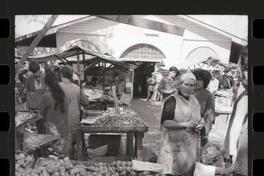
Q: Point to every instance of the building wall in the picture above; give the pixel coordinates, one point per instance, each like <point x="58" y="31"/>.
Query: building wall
<point x="192" y="41"/>
<point x="116" y="39"/>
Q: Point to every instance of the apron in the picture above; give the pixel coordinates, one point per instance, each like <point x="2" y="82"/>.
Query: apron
<point x="179" y="147"/>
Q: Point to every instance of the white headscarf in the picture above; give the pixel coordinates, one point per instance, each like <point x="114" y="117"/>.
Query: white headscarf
<point x="188" y="76"/>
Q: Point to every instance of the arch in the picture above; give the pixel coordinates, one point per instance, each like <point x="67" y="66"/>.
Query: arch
<point x="143" y="50"/>
<point x="201" y="54"/>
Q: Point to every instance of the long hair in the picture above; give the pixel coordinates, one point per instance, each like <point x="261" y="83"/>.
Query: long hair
<point x="57" y="92"/>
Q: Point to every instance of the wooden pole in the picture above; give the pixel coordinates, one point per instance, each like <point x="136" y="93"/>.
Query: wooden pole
<point x="36" y="41"/>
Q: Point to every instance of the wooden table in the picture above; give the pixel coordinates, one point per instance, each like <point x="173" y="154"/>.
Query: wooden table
<point x="227" y="112"/>
<point x="133" y="132"/>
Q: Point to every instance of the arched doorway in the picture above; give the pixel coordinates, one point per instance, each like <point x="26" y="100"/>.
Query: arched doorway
<point x="199" y="55"/>
<point x="146" y="56"/>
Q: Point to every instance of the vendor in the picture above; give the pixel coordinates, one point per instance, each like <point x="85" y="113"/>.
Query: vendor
<point x="34" y="89"/>
<point x="206" y="100"/>
<point x="179" y="109"/>
<point x="53" y="107"/>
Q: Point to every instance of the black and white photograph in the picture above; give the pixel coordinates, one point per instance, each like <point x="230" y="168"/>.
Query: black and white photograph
<point x="131" y="95"/>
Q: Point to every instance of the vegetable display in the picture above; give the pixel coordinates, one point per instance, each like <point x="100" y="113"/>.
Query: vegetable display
<point x="66" y="167"/>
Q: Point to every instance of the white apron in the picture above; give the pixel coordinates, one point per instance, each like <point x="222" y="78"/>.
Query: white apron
<point x="179" y="155"/>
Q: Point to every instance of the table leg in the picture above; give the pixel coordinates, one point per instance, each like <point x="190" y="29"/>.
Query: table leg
<point x="139" y="144"/>
<point x="130" y="145"/>
<point x="81" y="153"/>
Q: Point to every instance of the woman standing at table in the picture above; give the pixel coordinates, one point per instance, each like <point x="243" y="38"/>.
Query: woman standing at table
<point x="180" y="109"/>
<point x="53" y="107"/>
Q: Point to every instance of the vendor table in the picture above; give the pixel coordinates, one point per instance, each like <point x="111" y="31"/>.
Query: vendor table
<point x="227" y="112"/>
<point x="133" y="132"/>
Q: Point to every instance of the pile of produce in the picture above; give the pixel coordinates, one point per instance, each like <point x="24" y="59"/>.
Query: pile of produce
<point x="123" y="168"/>
<point x="66" y="167"/>
<point x="23" y="164"/>
<point x="126" y="118"/>
<point x="22" y="117"/>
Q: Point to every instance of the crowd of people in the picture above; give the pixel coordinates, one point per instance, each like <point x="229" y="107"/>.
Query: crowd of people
<point x="187" y="103"/>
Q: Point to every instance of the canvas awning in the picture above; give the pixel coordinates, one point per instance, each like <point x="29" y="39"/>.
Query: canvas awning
<point x="76" y="47"/>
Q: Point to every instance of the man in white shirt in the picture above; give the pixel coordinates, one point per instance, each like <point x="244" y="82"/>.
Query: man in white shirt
<point x="214" y="84"/>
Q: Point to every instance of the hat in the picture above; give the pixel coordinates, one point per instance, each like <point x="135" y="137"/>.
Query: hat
<point x="188" y="76"/>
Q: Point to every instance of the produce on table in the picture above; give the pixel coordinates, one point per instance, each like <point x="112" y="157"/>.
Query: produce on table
<point x="126" y="118"/>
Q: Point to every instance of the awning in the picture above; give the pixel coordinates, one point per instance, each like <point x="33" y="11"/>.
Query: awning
<point x="75" y="47"/>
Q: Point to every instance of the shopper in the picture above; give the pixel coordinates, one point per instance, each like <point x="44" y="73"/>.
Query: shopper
<point x="168" y="85"/>
<point x="214" y="83"/>
<point x="76" y="98"/>
<point x="206" y="101"/>
<point x="151" y="86"/>
<point x="157" y="94"/>
<point x="33" y="89"/>
<point x="53" y="107"/>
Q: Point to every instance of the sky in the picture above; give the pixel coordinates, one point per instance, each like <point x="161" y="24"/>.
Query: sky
<point x="235" y="24"/>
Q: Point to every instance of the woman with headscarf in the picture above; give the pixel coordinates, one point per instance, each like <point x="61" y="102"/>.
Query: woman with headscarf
<point x="53" y="107"/>
<point x="181" y="110"/>
<point x="206" y="100"/>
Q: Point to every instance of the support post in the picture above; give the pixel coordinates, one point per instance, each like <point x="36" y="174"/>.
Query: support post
<point x="36" y="41"/>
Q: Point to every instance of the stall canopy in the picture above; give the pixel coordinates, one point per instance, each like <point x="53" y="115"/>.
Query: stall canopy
<point x="68" y="52"/>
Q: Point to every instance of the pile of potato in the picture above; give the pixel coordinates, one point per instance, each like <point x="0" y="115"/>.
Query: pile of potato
<point x="23" y="164"/>
<point x="66" y="167"/>
<point x="124" y="168"/>
<point x="126" y="118"/>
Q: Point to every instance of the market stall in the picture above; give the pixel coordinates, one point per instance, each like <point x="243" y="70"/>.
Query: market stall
<point x="121" y="119"/>
<point x="126" y="121"/>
